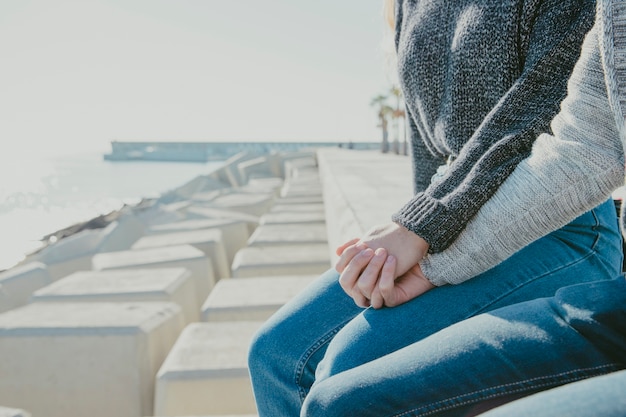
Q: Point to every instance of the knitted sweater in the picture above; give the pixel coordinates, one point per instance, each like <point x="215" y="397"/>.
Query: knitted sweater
<point x="567" y="173"/>
<point x="481" y="79"/>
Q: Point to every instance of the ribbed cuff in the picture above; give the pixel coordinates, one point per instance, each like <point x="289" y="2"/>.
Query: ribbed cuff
<point x="431" y="220"/>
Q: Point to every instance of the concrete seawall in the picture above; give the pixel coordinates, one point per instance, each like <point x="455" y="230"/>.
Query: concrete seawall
<point x="124" y="309"/>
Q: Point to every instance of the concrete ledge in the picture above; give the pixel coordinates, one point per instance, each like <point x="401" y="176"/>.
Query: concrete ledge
<point x="200" y="212"/>
<point x="298" y="208"/>
<point x="183" y="256"/>
<point x="18" y="284"/>
<point x="249" y="203"/>
<point x="281" y="260"/>
<point x="126" y="285"/>
<point x="295" y="234"/>
<point x="235" y="233"/>
<point x="209" y="241"/>
<point x="85" y="359"/>
<point x="206" y="372"/>
<point x="290" y="217"/>
<point x="254" y="298"/>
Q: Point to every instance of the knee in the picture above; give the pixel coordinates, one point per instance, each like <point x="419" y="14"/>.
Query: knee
<point x="263" y="349"/>
<point x="324" y="401"/>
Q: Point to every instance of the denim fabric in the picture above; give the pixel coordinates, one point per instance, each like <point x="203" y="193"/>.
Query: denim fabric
<point x="601" y="396"/>
<point x="321" y="333"/>
<point x="519" y="349"/>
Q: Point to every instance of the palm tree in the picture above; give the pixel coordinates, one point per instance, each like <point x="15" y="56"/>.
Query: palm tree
<point x="383" y="111"/>
<point x="396" y="115"/>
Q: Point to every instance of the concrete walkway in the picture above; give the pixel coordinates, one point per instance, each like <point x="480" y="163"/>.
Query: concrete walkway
<point x="361" y="189"/>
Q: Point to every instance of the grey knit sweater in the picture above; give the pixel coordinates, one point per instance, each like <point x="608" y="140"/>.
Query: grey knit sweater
<point x="567" y="173"/>
<point x="481" y="79"/>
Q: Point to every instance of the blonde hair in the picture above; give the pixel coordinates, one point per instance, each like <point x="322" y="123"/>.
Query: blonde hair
<point x="387" y="41"/>
<point x="389" y="12"/>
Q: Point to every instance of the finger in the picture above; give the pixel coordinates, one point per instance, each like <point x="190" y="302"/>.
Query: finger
<point x="351" y="272"/>
<point x="348" y="254"/>
<point x="368" y="279"/>
<point x="361" y="301"/>
<point x="377" y="301"/>
<point x="386" y="283"/>
<point x="343" y="247"/>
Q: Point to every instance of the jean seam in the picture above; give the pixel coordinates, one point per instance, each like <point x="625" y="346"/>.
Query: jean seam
<point x="570" y="376"/>
<point x="309" y="352"/>
<point x="587" y="255"/>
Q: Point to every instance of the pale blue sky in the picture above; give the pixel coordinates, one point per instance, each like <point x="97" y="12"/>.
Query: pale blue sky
<point x="79" y="73"/>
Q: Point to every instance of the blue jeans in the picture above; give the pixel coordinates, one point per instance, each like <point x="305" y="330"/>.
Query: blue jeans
<point x="601" y="396"/>
<point x="321" y="333"/>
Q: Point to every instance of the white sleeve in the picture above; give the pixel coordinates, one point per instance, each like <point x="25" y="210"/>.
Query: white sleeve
<point x="567" y="173"/>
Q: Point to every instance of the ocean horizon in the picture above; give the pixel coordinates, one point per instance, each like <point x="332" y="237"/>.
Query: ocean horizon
<point x="42" y="194"/>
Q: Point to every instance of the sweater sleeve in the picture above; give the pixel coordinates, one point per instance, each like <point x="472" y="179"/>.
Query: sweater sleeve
<point x="441" y="212"/>
<point x="567" y="173"/>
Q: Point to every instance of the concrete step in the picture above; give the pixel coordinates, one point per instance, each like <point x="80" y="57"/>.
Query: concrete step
<point x="126" y="285"/>
<point x="290" y="217"/>
<point x="255" y="298"/>
<point x="184" y="256"/>
<point x="85" y="359"/>
<point x="282" y="259"/>
<point x="209" y="241"/>
<point x="235" y="232"/>
<point x="18" y="284"/>
<point x="206" y="371"/>
<point x="291" y="234"/>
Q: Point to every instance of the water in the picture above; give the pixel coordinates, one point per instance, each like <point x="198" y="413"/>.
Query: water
<point x="40" y="195"/>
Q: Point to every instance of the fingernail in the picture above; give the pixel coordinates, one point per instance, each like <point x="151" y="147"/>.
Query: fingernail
<point x="390" y="259"/>
<point x="379" y="251"/>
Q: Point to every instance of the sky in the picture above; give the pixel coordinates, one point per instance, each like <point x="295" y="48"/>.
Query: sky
<point x="77" y="74"/>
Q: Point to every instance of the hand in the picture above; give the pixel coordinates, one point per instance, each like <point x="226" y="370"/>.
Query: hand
<point x="393" y="292"/>
<point x="362" y="260"/>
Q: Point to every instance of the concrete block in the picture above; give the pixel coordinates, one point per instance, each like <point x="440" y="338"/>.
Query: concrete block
<point x="250" y="203"/>
<point x="262" y="166"/>
<point x="309" y="199"/>
<point x="18" y="284"/>
<point x="281" y="260"/>
<point x="254" y="298"/>
<point x="70" y="254"/>
<point x="271" y="184"/>
<point x="13" y="412"/>
<point x="201" y="212"/>
<point x="121" y="233"/>
<point x="209" y="241"/>
<point x="302" y="190"/>
<point x="183" y="256"/>
<point x="206" y="371"/>
<point x="126" y="285"/>
<point x="281" y="234"/>
<point x="298" y="208"/>
<point x="85" y="359"/>
<point x="288" y="217"/>
<point x="235" y="233"/>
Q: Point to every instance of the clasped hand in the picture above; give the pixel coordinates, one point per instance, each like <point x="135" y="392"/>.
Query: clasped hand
<point x="382" y="268"/>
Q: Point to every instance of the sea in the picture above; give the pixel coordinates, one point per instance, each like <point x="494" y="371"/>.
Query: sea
<point x="42" y="194"/>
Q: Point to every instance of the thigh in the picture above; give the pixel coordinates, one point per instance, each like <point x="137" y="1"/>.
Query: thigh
<point x="599" y="396"/>
<point x="515" y="350"/>
<point x="587" y="249"/>
<point x="294" y="339"/>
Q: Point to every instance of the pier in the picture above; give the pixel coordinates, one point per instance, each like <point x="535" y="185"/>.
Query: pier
<point x="215" y="151"/>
